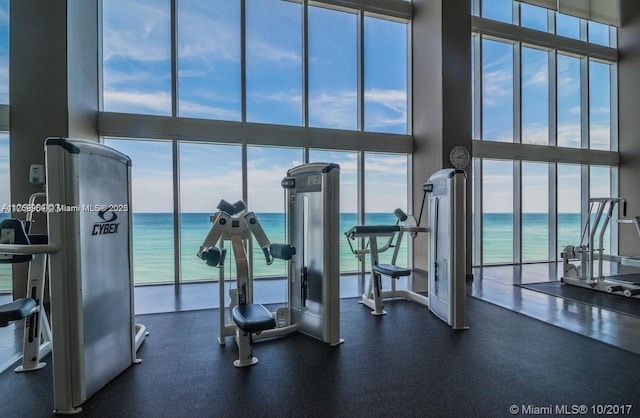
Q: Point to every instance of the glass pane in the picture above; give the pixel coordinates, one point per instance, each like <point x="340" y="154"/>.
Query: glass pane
<point x="600" y="186"/>
<point x="501" y="10"/>
<point x="599" y="105"/>
<point x="385" y="190"/>
<point x="274" y="61"/>
<point x="348" y="162"/>
<point x="535" y="96"/>
<point x="569" y="104"/>
<point x="208" y="173"/>
<point x="5" y="197"/>
<point x="385" y="76"/>
<point x="569" y="223"/>
<point x="266" y="167"/>
<point x="474" y="134"/>
<point x="152" y="206"/>
<point x="533" y="17"/>
<point x="474" y="230"/>
<point x="136" y="54"/>
<point x="333" y="69"/>
<point x="497" y="211"/>
<point x="497" y="91"/>
<point x="4" y="52"/>
<point x="209" y="59"/>
<point x="598" y="33"/>
<point x="567" y="26"/>
<point x="535" y="212"/>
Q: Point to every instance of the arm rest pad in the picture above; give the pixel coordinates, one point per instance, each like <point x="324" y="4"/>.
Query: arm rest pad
<point x="367" y="230"/>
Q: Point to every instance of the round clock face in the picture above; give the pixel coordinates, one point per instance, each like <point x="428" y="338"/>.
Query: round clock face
<point x="459" y="157"/>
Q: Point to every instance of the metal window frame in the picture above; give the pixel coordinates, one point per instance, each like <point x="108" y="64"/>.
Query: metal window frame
<point x="551" y="154"/>
<point x="177" y="129"/>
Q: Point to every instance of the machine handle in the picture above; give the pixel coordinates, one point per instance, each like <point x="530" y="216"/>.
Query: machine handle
<point x="304" y="288"/>
<point x="213" y="256"/>
<point x="267" y="256"/>
<point x="400" y="215"/>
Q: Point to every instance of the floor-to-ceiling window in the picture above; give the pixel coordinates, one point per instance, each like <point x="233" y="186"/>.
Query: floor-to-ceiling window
<point x="152" y="207"/>
<point x="208" y="173"/>
<point x="236" y="92"/>
<point x="5" y="196"/>
<point x="543" y="128"/>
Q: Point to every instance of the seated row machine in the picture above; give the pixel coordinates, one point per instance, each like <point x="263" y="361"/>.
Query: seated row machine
<point x="446" y="291"/>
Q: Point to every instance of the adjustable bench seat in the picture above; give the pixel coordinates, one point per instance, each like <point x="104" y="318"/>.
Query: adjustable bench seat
<point x="391" y="270"/>
<point x="253" y="317"/>
<point x="16" y="310"/>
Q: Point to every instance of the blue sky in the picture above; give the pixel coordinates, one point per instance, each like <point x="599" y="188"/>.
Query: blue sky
<point x="137" y="79"/>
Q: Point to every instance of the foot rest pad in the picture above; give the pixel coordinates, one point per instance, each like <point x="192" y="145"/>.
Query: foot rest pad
<point x="391" y="270"/>
<point x="253" y="317"/>
<point x="18" y="309"/>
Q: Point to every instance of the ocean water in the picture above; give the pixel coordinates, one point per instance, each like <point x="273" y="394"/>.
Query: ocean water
<point x="153" y="249"/>
<point x="155" y="231"/>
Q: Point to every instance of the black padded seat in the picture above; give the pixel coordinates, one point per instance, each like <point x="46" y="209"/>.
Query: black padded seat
<point x="18" y="309"/>
<point x="391" y="270"/>
<point x="253" y="317"/>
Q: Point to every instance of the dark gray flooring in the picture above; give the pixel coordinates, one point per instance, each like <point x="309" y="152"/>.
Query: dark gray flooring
<point x="407" y="363"/>
<point x="499" y="285"/>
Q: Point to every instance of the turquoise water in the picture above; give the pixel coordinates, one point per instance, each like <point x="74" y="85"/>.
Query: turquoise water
<point x="153" y="250"/>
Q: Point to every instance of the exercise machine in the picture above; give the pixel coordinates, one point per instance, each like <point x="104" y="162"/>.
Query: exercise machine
<point x="233" y="223"/>
<point x="392" y="236"/>
<point x="590" y="255"/>
<point x="446" y="293"/>
<point x="36" y="340"/>
<point x="312" y="193"/>
<point x="447" y="246"/>
<point x="93" y="334"/>
<point x="312" y="286"/>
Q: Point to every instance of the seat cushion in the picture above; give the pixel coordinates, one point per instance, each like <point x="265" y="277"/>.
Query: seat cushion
<point x="16" y="310"/>
<point x="253" y="317"/>
<point x="391" y="270"/>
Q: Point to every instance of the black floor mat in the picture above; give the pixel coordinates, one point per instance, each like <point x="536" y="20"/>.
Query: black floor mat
<point x="611" y="302"/>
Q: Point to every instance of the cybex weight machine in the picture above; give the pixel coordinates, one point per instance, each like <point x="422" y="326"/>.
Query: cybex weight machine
<point x="312" y="196"/>
<point x="447" y="256"/>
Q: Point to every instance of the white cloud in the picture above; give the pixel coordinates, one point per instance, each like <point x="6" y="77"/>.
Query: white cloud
<point x="266" y="52"/>
<point x="497" y="86"/>
<point x="536" y="134"/>
<point x="137" y="102"/>
<point x="136" y="30"/>
<point x="334" y="109"/>
<point x="540" y="78"/>
<point x="395" y="100"/>
<point x="210" y="112"/>
<point x="569" y="135"/>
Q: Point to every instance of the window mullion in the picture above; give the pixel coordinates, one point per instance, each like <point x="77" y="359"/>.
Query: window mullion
<point x="517" y="212"/>
<point x="174" y="58"/>
<point x="553" y="98"/>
